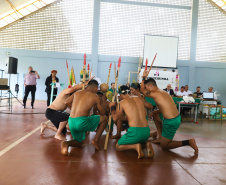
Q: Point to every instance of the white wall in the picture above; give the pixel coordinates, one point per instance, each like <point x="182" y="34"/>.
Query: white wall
<point x="206" y="73"/>
<point x="43" y="62"/>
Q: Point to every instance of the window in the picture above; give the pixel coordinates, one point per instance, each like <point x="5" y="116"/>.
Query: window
<point x="122" y="28"/>
<point x="211" y="33"/>
<point x="64" y="27"/>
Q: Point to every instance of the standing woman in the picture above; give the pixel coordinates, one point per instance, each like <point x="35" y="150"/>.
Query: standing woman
<point x="51" y="79"/>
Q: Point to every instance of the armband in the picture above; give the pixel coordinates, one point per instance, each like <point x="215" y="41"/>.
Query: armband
<point x="113" y="108"/>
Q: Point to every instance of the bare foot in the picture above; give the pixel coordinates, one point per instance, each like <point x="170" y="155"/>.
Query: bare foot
<point x="95" y="145"/>
<point x="192" y="144"/>
<point x="60" y="137"/>
<point x="157" y="141"/>
<point x="116" y="136"/>
<point x="154" y="135"/>
<point x="139" y="151"/>
<point x="64" y="148"/>
<point x="43" y="127"/>
<point x="149" y="149"/>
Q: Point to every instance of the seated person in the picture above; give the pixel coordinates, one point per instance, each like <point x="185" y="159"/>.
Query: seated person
<point x="112" y="87"/>
<point x="186" y="91"/>
<point x="80" y="122"/>
<point x="181" y="92"/>
<point x="139" y="131"/>
<point x="197" y="94"/>
<point x="169" y="90"/>
<point x="171" y="119"/>
<point x="210" y="89"/>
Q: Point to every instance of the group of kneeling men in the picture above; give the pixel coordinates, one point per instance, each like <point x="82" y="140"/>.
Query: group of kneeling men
<point x="132" y="106"/>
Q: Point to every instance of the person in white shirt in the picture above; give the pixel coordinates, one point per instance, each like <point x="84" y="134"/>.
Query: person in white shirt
<point x="187" y="92"/>
<point x="181" y="92"/>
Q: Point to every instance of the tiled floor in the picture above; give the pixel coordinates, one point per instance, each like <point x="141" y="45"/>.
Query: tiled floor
<point x="37" y="159"/>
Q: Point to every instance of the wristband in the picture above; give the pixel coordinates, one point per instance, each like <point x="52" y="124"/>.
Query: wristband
<point x="144" y="78"/>
<point x="113" y="108"/>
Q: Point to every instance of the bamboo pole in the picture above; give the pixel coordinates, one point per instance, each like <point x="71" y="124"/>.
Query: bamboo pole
<point x="113" y="100"/>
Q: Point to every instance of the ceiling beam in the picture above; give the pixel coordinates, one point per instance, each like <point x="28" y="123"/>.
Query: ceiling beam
<point x="14" y="9"/>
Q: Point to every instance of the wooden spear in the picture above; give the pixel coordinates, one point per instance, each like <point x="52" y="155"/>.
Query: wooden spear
<point x="139" y="69"/>
<point x="113" y="100"/>
<point x="84" y="72"/>
<point x="152" y="63"/>
<point x="68" y="71"/>
<point x="91" y="72"/>
<point x="88" y="69"/>
<point x="73" y="75"/>
<point x="109" y="73"/>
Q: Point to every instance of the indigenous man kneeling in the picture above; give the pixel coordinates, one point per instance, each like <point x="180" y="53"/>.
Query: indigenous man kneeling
<point x="55" y="113"/>
<point x="172" y="119"/>
<point x="139" y="131"/>
<point x="80" y="121"/>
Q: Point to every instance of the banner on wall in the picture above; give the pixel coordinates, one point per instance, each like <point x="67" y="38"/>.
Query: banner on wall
<point x="163" y="77"/>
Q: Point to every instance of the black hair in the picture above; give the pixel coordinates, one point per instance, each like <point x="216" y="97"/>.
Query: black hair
<point x="93" y="83"/>
<point x="198" y="87"/>
<point x="185" y="85"/>
<point x="128" y="85"/>
<point x="182" y="87"/>
<point x="135" y="86"/>
<point x="112" y="83"/>
<point x="124" y="89"/>
<point x="150" y="81"/>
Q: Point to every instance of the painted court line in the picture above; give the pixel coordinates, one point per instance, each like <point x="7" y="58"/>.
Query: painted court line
<point x="2" y="152"/>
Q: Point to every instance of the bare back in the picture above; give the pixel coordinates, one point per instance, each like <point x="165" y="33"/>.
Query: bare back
<point x="165" y="104"/>
<point x="58" y="103"/>
<point x="135" y="111"/>
<point x="83" y="102"/>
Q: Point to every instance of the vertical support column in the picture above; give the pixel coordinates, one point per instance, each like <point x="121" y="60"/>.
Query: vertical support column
<point x="95" y="37"/>
<point x="194" y="26"/>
